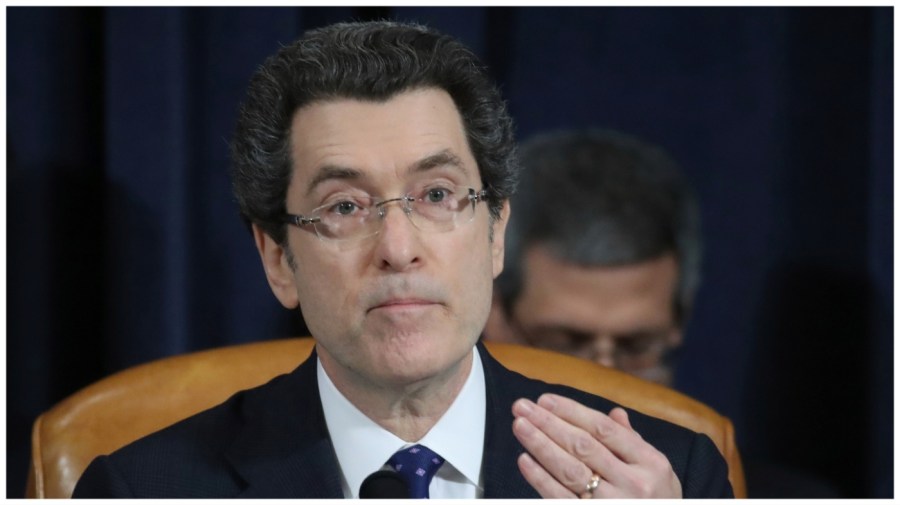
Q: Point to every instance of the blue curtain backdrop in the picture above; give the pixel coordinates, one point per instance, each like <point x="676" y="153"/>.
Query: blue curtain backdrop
<point x="124" y="243"/>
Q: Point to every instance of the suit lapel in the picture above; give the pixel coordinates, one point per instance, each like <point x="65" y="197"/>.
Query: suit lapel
<point x="502" y="478"/>
<point x="284" y="449"/>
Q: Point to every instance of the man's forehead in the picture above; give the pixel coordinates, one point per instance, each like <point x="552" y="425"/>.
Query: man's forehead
<point x="444" y="159"/>
<point x="541" y="259"/>
<point x="412" y="132"/>
<point x="627" y="292"/>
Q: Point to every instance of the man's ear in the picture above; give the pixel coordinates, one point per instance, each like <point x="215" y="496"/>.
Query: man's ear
<point x="278" y="270"/>
<point x="498" y="246"/>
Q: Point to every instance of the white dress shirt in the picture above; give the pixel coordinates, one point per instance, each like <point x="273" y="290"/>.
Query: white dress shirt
<point x="363" y="447"/>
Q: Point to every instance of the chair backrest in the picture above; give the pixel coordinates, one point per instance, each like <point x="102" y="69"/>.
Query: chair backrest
<point x="140" y="400"/>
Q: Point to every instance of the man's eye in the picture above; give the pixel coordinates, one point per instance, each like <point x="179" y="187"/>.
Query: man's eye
<point x="344" y="208"/>
<point x="638" y="344"/>
<point x="437" y="195"/>
<point x="562" y="339"/>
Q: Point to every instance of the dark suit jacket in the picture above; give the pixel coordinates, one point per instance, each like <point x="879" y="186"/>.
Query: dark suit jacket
<point x="272" y="441"/>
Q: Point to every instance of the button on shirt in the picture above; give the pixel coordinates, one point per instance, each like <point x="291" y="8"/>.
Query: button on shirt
<point x="362" y="447"/>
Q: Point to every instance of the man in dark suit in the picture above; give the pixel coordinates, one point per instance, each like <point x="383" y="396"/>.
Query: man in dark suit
<point x="609" y="275"/>
<point x="602" y="261"/>
<point x="362" y="157"/>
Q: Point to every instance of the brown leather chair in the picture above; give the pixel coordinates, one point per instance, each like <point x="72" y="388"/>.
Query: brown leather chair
<point x="135" y="402"/>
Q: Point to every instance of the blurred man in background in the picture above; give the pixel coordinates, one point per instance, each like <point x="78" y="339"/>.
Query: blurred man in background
<point x="604" y="253"/>
<point x="603" y="262"/>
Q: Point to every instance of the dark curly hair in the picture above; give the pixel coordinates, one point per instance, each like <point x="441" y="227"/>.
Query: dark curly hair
<point x="364" y="61"/>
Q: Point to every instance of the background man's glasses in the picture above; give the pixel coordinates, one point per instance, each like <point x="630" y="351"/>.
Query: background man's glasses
<point x="631" y="353"/>
<point x="350" y="219"/>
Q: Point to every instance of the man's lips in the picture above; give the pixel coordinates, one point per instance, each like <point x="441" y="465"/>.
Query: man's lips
<point x="403" y="303"/>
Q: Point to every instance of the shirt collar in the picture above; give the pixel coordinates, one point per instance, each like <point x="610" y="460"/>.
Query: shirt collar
<point x="458" y="435"/>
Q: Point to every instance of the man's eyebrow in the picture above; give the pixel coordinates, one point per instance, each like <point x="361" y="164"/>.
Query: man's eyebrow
<point x="329" y="172"/>
<point x="440" y="159"/>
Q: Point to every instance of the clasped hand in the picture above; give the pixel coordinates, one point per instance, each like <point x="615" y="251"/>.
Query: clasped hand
<point x="568" y="445"/>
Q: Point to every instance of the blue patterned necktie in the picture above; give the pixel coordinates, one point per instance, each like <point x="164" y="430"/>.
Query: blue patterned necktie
<point x="416" y="465"/>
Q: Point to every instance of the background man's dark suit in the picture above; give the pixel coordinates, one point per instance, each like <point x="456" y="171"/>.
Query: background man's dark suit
<point x="272" y="441"/>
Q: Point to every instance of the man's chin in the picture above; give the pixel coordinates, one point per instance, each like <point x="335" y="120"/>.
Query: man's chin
<point x="417" y="358"/>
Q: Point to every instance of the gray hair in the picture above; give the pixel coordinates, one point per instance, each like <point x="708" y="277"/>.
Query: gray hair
<point x="372" y="61"/>
<point x="603" y="198"/>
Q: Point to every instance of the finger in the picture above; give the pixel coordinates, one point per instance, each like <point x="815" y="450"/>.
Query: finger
<point x="649" y="472"/>
<point x="623" y="441"/>
<point x="556" y="460"/>
<point x="582" y="455"/>
<point x="541" y="480"/>
<point x="651" y="476"/>
<point x="582" y="445"/>
<point x="575" y="440"/>
<point x="620" y="416"/>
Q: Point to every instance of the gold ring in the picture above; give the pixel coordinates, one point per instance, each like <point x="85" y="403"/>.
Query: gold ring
<point x="592" y="485"/>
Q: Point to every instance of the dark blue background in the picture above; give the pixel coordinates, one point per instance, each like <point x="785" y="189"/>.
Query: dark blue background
<point x="124" y="243"/>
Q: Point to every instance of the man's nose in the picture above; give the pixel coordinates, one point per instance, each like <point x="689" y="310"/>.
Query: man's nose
<point x="398" y="242"/>
<point x="603" y="350"/>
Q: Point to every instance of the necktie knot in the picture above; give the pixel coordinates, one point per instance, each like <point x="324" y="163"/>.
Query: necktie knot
<point x="416" y="465"/>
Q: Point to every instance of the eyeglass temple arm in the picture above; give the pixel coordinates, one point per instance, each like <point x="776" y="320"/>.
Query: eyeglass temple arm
<point x="300" y="221"/>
